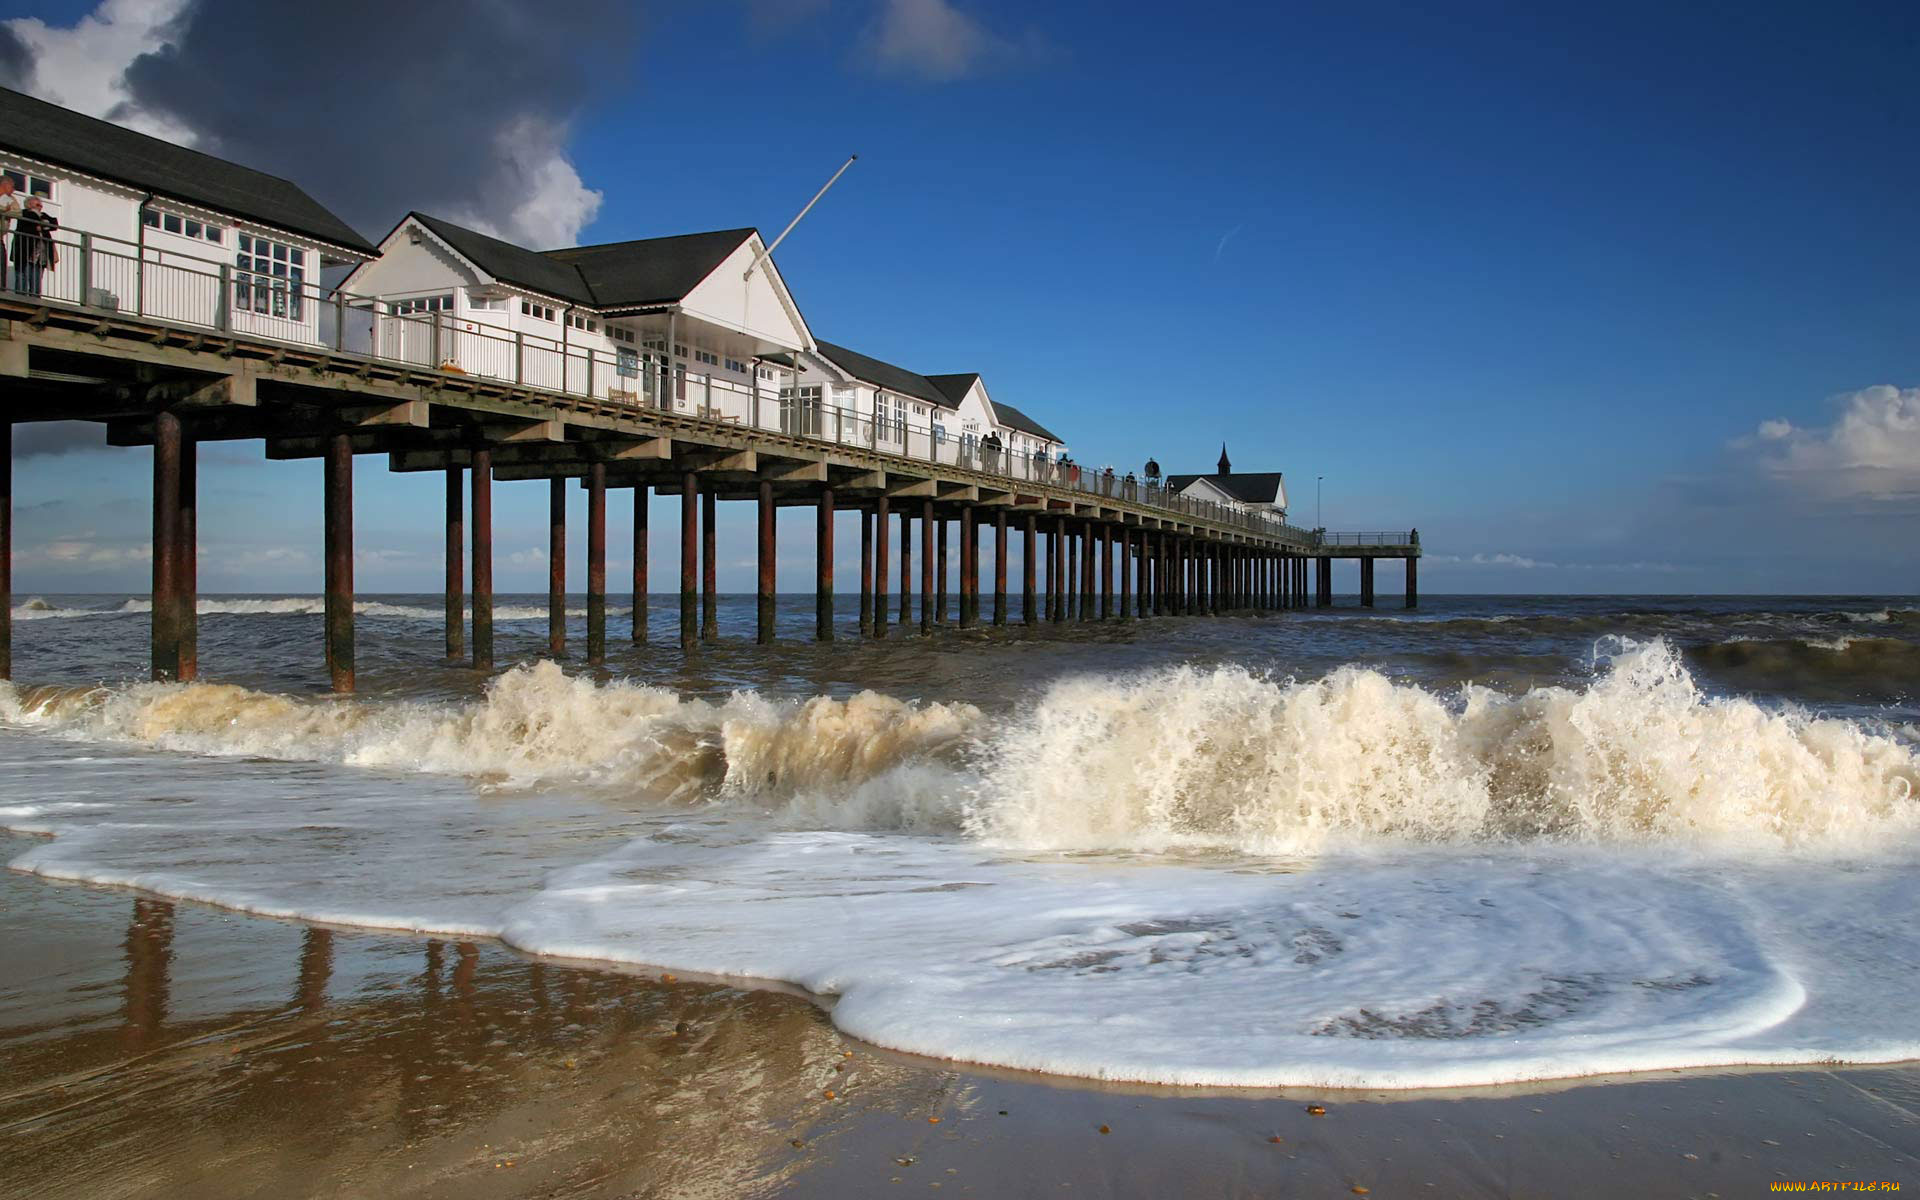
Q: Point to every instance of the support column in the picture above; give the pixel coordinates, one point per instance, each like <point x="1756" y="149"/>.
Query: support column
<point x="1070" y="583"/>
<point x="866" y="573"/>
<point x="165" y="619"/>
<point x="764" y="580"/>
<point x="482" y="532"/>
<point x="1326" y="580"/>
<point x="6" y="549"/>
<point x="1413" y="583"/>
<point x="941" y="602"/>
<point x="969" y="566"/>
<point x="1366" y="583"/>
<point x="689" y="559"/>
<point x="187" y="590"/>
<point x="597" y="563"/>
<point x="456" y="564"/>
<point x="926" y="568"/>
<point x="640" y="561"/>
<point x="557" y="567"/>
<point x="823" y="553"/>
<point x="1088" y="584"/>
<point x="906" y="569"/>
<point x="1029" y="563"/>
<point x="1000" y="566"/>
<point x="1126" y="572"/>
<point x="1106" y="571"/>
<point x="709" y="568"/>
<point x="339" y="538"/>
<point x="882" y="510"/>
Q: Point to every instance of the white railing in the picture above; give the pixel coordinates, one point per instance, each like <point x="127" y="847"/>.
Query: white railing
<point x="112" y="275"/>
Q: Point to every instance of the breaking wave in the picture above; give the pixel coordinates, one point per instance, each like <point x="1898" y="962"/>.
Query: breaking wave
<point x="1221" y="759"/>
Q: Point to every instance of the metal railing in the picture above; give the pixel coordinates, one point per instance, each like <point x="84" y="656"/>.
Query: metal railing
<point x="112" y="275"/>
<point x="1389" y="538"/>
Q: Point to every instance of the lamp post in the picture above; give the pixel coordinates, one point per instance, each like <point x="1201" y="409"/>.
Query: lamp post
<point x="1317" y="522"/>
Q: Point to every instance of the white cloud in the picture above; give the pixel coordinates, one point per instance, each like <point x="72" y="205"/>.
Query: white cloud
<point x="1871" y="451"/>
<point x="85" y="67"/>
<point x="936" y="42"/>
<point x="1522" y="562"/>
<point x="554" y="203"/>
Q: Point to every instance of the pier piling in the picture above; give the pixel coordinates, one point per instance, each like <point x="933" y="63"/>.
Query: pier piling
<point x="1413" y="583"/>
<point x="456" y="565"/>
<point x="926" y="569"/>
<point x="482" y="559"/>
<point x="1029" y="563"/>
<point x="640" y="562"/>
<point x="881" y="513"/>
<point x="940" y="573"/>
<point x="557" y="566"/>
<point x="764" y="583"/>
<point x="1000" y="567"/>
<point x="906" y="568"/>
<point x="1366" y="583"/>
<point x="166" y="547"/>
<point x="969" y="566"/>
<point x="823" y="596"/>
<point x="866" y="573"/>
<point x="709" y="568"/>
<point x="339" y="538"/>
<point x="597" y="563"/>
<point x="689" y="558"/>
<point x="187" y="590"/>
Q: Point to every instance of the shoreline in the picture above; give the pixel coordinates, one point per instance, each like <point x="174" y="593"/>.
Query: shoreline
<point x="419" y="1066"/>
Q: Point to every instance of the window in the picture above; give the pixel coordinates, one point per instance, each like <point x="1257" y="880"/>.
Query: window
<point x="483" y="303"/>
<point x="31" y="185"/>
<point x="734" y="364"/>
<point x="622" y="335"/>
<point x="626" y="363"/>
<point x="765" y="372"/>
<point x="582" y="323"/>
<point x="270" y="276"/>
<point x="702" y="356"/>
<point x="680" y="349"/>
<point x="152" y="218"/>
<point x="541" y="311"/>
<point x="423" y="304"/>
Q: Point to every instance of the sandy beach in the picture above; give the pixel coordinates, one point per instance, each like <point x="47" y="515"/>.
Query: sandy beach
<point x="153" y="1048"/>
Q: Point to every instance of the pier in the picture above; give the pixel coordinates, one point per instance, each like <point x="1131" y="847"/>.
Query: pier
<point x="1140" y="551"/>
<point x="181" y="302"/>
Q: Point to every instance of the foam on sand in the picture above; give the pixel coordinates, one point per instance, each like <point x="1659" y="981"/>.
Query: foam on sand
<point x="1182" y="877"/>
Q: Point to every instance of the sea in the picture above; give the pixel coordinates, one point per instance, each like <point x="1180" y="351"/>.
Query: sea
<point x="1493" y="839"/>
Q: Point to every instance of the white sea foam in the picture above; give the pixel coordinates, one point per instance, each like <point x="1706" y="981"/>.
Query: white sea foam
<point x="1362" y="883"/>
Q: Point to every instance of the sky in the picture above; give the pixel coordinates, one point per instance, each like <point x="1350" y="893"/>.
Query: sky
<point x="1613" y="299"/>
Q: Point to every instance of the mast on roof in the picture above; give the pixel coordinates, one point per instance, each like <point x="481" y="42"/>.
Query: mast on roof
<point x="768" y="252"/>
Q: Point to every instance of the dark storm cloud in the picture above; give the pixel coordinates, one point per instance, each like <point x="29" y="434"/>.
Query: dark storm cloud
<point x="16" y="61"/>
<point x="377" y="107"/>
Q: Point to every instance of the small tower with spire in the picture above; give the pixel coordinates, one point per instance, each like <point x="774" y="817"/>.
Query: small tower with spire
<point x="1226" y="465"/>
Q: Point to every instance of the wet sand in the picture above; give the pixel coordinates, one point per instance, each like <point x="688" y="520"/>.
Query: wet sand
<point x="149" y="1048"/>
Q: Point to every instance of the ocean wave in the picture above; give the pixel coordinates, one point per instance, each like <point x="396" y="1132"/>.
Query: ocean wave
<point x="1847" y="666"/>
<point x="1222" y="759"/>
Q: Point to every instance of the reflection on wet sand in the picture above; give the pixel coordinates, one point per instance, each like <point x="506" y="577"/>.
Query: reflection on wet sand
<point x="474" y="1064"/>
<point x="183" y="1051"/>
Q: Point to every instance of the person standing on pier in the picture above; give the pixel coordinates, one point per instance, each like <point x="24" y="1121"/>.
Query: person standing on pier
<point x="33" y="250"/>
<point x="9" y="209"/>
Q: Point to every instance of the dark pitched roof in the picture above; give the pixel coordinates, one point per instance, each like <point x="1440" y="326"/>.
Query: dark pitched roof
<point x="1248" y="487"/>
<point x="510" y="263"/>
<point x="883" y="374"/>
<point x="1010" y="416"/>
<point x="70" y="139"/>
<point x="954" y="387"/>
<point x="651" y="271"/>
<point x="636" y="274"/>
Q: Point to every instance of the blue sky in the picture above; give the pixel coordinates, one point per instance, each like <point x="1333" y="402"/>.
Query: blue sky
<point x="1618" y="300"/>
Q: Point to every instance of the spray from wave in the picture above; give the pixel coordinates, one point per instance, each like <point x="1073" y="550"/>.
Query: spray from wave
<point x="1176" y="759"/>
